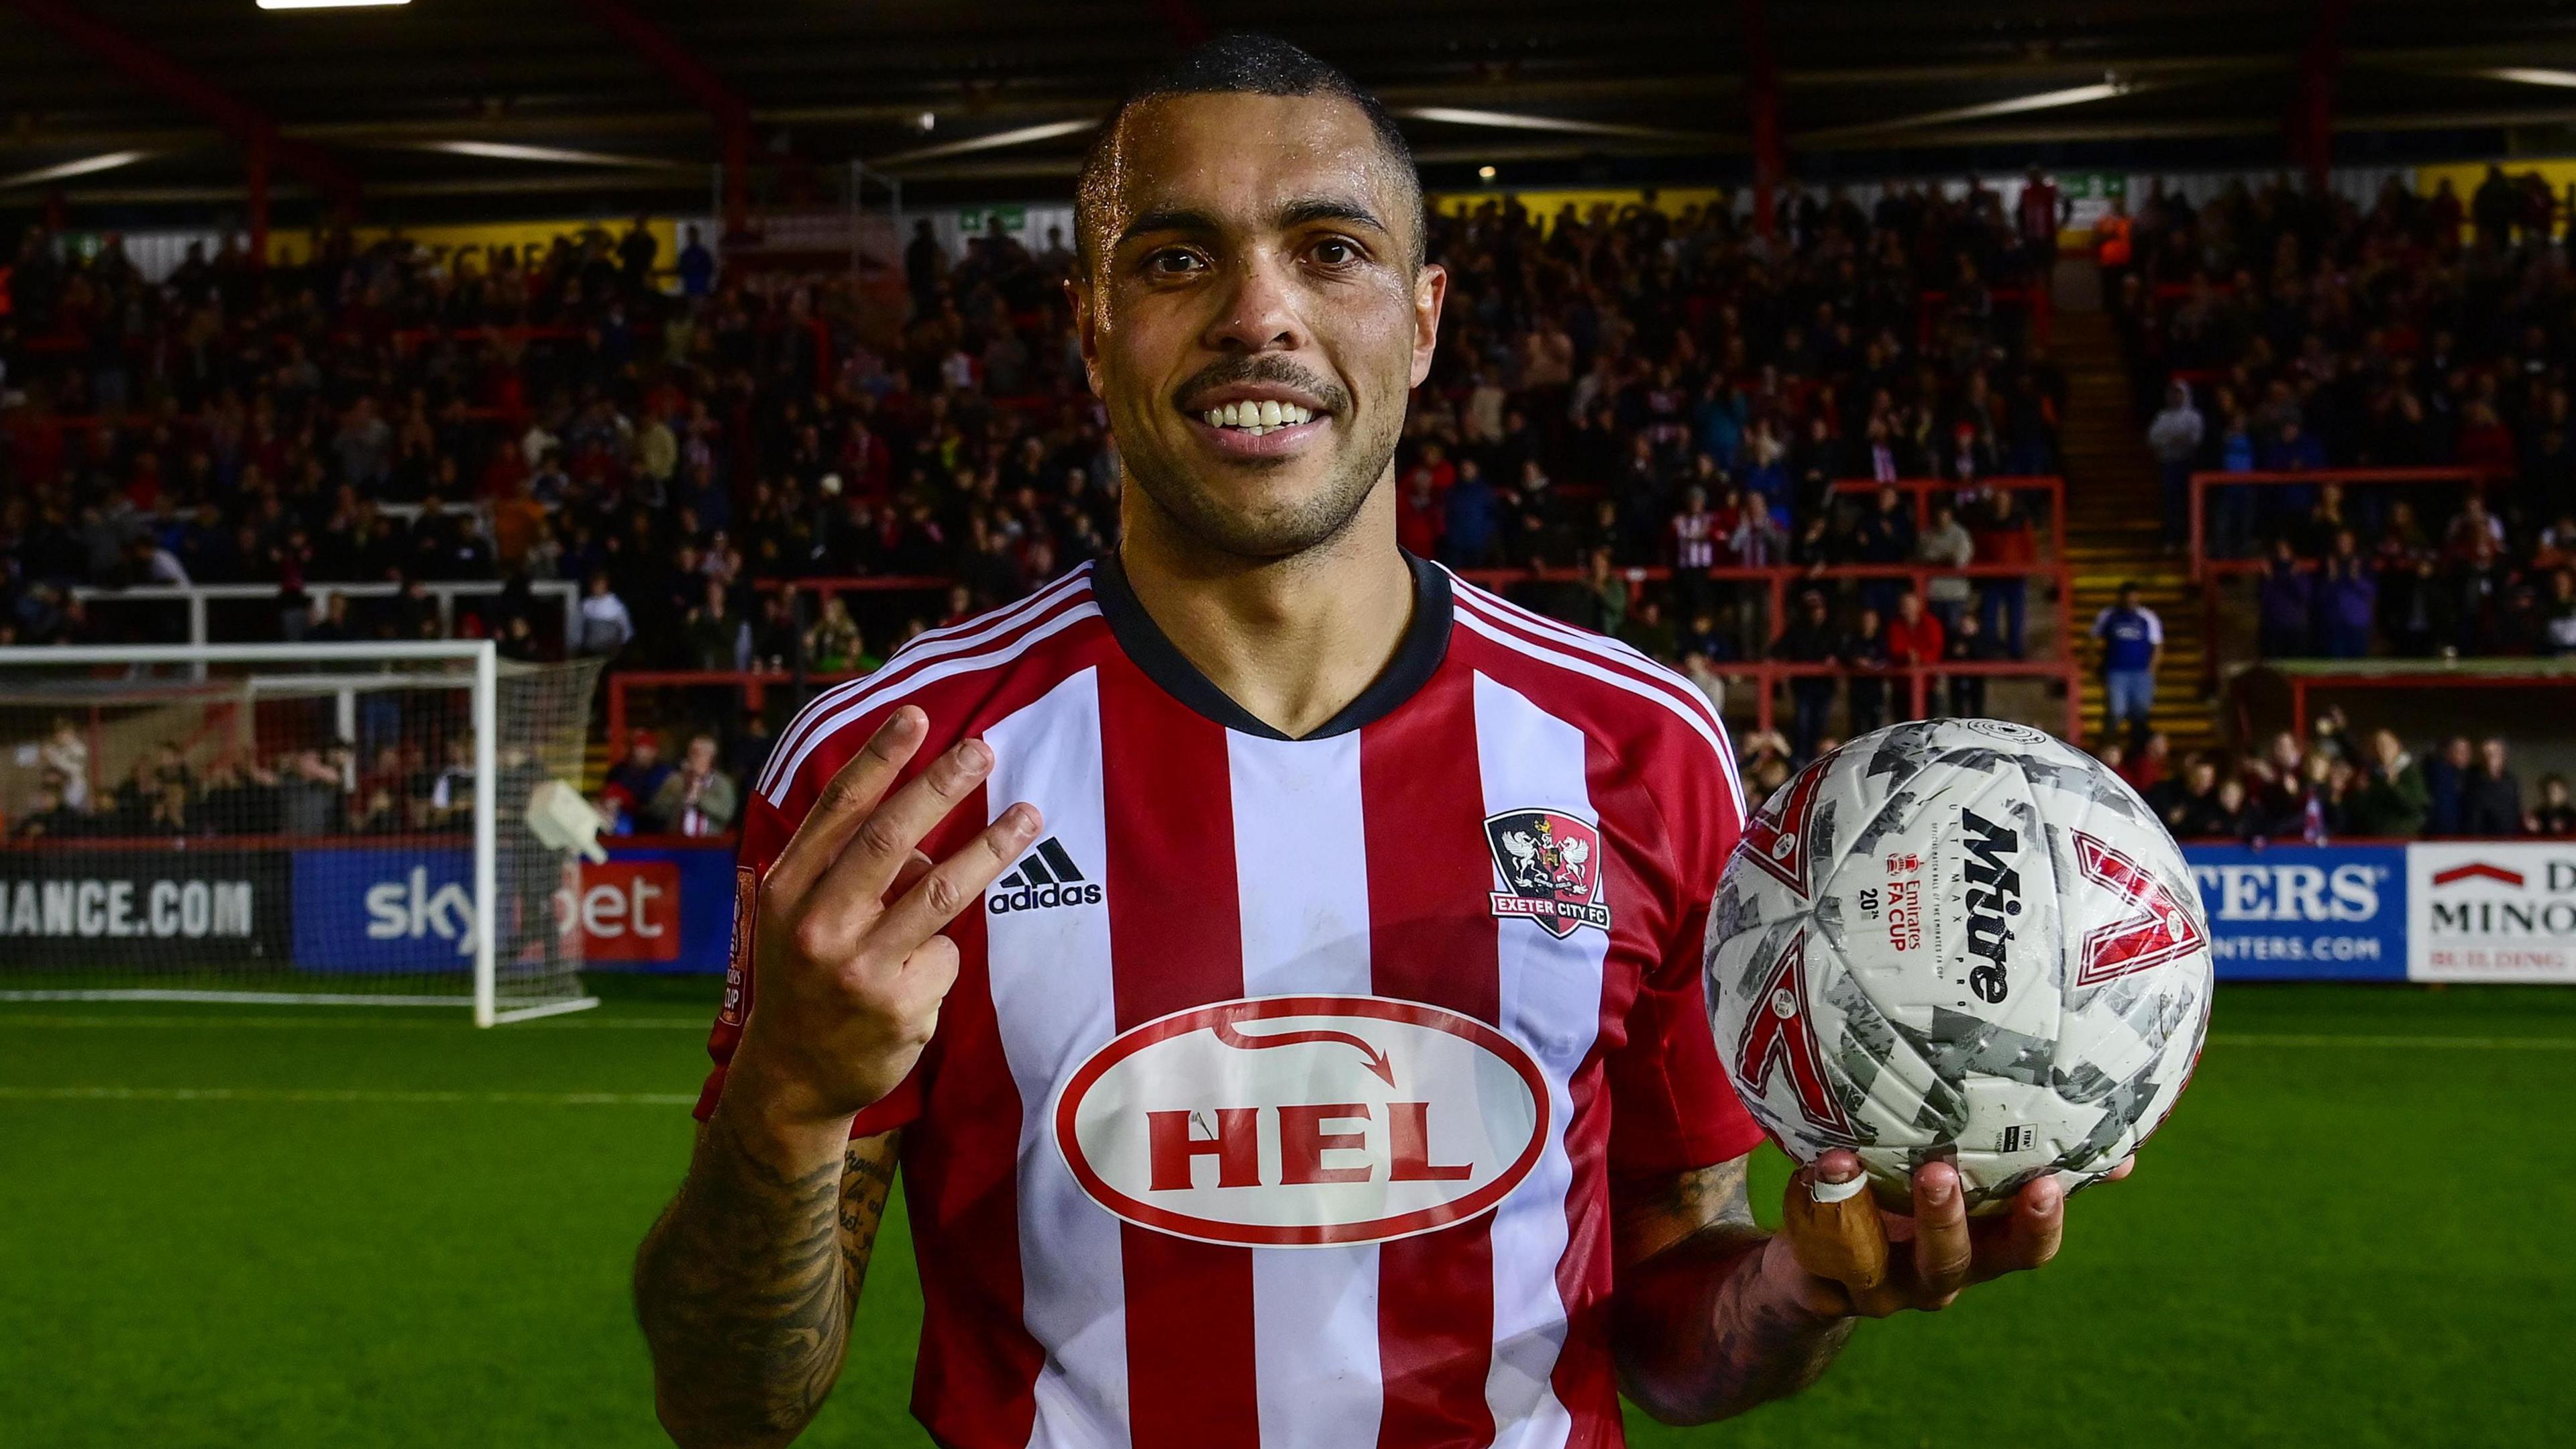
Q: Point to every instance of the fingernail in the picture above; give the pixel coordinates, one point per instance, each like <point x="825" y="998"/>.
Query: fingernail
<point x="2045" y="1195"/>
<point x="1837" y="1170"/>
<point x="1024" y="818"/>
<point x="906" y="720"/>
<point x="974" y="754"/>
<point x="1938" y="1186"/>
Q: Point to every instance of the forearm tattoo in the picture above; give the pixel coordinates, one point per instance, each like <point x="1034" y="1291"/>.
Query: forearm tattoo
<point x="746" y="1285"/>
<point x="1696" y="1338"/>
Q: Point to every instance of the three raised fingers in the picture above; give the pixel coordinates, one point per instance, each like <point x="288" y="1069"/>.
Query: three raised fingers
<point x="846" y="802"/>
<point x="885" y="840"/>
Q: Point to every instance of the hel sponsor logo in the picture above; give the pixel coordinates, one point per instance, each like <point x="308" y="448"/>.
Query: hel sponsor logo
<point x="2154" y="929"/>
<point x="2291" y="892"/>
<point x="1781" y="1036"/>
<point x="1297" y="1121"/>
<point x="1552" y="864"/>
<point x="1047" y="877"/>
<point x="1994" y="893"/>
<point x="187" y="909"/>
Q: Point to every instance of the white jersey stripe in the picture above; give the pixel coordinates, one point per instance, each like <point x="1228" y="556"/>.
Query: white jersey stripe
<point x="1577" y="664"/>
<point x="1497" y="609"/>
<point x="920" y="648"/>
<point x="1053" y="1000"/>
<point x="828" y="725"/>
<point x="1301" y="875"/>
<point x="1550" y="1002"/>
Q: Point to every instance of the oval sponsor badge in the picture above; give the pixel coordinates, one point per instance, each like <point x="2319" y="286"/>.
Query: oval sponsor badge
<point x="1298" y="1121"/>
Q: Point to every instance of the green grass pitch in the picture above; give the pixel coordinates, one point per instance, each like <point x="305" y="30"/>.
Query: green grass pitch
<point x="281" y="1227"/>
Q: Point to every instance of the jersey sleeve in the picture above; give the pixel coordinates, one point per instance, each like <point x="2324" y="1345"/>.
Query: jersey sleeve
<point x="1672" y="1108"/>
<point x="766" y="829"/>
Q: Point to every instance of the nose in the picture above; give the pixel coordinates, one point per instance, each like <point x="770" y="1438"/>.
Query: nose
<point x="1257" y="312"/>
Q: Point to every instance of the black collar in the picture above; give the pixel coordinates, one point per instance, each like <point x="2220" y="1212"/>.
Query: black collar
<point x="1417" y="655"/>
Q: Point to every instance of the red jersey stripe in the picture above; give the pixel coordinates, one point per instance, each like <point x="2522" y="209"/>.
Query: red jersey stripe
<point x="1432" y="940"/>
<point x="1170" y="818"/>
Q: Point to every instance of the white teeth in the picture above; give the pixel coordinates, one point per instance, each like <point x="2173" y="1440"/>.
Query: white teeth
<point x="1256" y="418"/>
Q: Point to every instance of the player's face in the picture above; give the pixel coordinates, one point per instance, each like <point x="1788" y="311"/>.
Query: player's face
<point x="1256" y="252"/>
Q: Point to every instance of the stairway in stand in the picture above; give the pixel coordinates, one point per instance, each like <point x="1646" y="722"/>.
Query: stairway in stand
<point x="2115" y="526"/>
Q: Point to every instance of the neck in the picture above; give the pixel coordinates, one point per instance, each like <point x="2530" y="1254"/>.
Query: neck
<point x="1293" y="640"/>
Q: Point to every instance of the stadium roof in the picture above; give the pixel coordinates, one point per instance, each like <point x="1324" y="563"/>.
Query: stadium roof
<point x="520" y="104"/>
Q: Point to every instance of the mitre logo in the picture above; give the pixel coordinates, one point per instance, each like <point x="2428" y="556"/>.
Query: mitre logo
<point x="1551" y="863"/>
<point x="1301" y="1121"/>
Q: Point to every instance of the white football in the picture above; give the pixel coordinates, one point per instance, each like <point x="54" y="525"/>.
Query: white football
<point x="1964" y="940"/>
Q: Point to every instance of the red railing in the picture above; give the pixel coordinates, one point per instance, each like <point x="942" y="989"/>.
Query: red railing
<point x="2301" y="684"/>
<point x="2209" y="572"/>
<point x="2047" y="485"/>
<point x="755" y="685"/>
<point x="2201" y="483"/>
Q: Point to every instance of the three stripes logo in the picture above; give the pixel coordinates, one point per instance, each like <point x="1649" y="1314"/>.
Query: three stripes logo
<point x="1044" y="878"/>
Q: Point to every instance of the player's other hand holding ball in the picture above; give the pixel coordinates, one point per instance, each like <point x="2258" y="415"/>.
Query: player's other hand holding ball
<point x="1841" y="1254"/>
<point x="850" y="966"/>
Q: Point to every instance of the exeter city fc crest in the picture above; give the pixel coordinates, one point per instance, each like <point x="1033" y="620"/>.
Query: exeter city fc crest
<point x="1552" y="862"/>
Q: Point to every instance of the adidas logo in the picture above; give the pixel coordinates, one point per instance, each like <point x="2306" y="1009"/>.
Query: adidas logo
<point x="1046" y="877"/>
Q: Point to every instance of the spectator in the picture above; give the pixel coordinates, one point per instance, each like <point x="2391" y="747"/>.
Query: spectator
<point x="606" y="627"/>
<point x="2347" y="599"/>
<point x="2490" y="795"/>
<point x="1971" y="644"/>
<point x="2132" y="642"/>
<point x="1946" y="544"/>
<point x="697" y="799"/>
<point x="2193" y="809"/>
<point x="2555" y="816"/>
<point x="2390" y="798"/>
<point x="2175" y="437"/>
<point x="1915" y="643"/>
<point x="1865" y="651"/>
<point x="2004" y="537"/>
<point x="2446" y="783"/>
<point x="2286" y="605"/>
<point x="642" y="772"/>
<point x="833" y="645"/>
<point x="1809" y="639"/>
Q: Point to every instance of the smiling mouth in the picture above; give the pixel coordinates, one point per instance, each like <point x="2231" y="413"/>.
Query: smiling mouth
<point x="1255" y="418"/>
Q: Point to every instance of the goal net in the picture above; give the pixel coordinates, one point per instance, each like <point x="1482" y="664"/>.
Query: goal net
<point x="379" y="824"/>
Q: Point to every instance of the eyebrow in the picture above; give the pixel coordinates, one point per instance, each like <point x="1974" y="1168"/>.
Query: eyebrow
<point x="1304" y="211"/>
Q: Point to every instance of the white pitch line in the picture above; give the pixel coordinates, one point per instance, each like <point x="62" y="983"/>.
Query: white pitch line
<point x="2455" y="1043"/>
<point x="9" y="1020"/>
<point x="359" y="1097"/>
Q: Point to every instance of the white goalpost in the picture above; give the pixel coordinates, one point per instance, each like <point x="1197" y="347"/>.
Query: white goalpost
<point x="378" y="824"/>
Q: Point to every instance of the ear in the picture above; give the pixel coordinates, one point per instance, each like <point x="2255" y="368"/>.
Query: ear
<point x="1430" y="289"/>
<point x="1086" y="327"/>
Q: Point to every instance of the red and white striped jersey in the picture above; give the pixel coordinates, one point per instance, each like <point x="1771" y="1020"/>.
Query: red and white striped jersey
<point x="1282" y="1090"/>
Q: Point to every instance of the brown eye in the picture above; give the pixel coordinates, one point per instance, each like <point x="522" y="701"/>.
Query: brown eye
<point x="1334" y="252"/>
<point x="1173" y="263"/>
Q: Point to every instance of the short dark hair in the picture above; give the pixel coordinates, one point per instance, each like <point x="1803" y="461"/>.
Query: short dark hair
<point x="1242" y="64"/>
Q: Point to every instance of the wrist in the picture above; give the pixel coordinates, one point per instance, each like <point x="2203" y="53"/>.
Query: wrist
<point x="774" y="1111"/>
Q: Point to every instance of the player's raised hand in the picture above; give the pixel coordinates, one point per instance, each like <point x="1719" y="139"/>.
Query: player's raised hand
<point x="850" y="966"/>
<point x="1861" y="1259"/>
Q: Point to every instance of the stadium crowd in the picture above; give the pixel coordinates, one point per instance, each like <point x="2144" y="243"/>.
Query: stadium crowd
<point x="2338" y="783"/>
<point x="412" y="786"/>
<point x="2292" y="330"/>
<point x="1618" y="390"/>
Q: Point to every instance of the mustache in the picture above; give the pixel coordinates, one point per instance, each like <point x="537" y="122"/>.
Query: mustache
<point x="1268" y="368"/>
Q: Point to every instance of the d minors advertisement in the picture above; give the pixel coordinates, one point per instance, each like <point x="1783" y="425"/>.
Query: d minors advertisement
<point x="2485" y="911"/>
